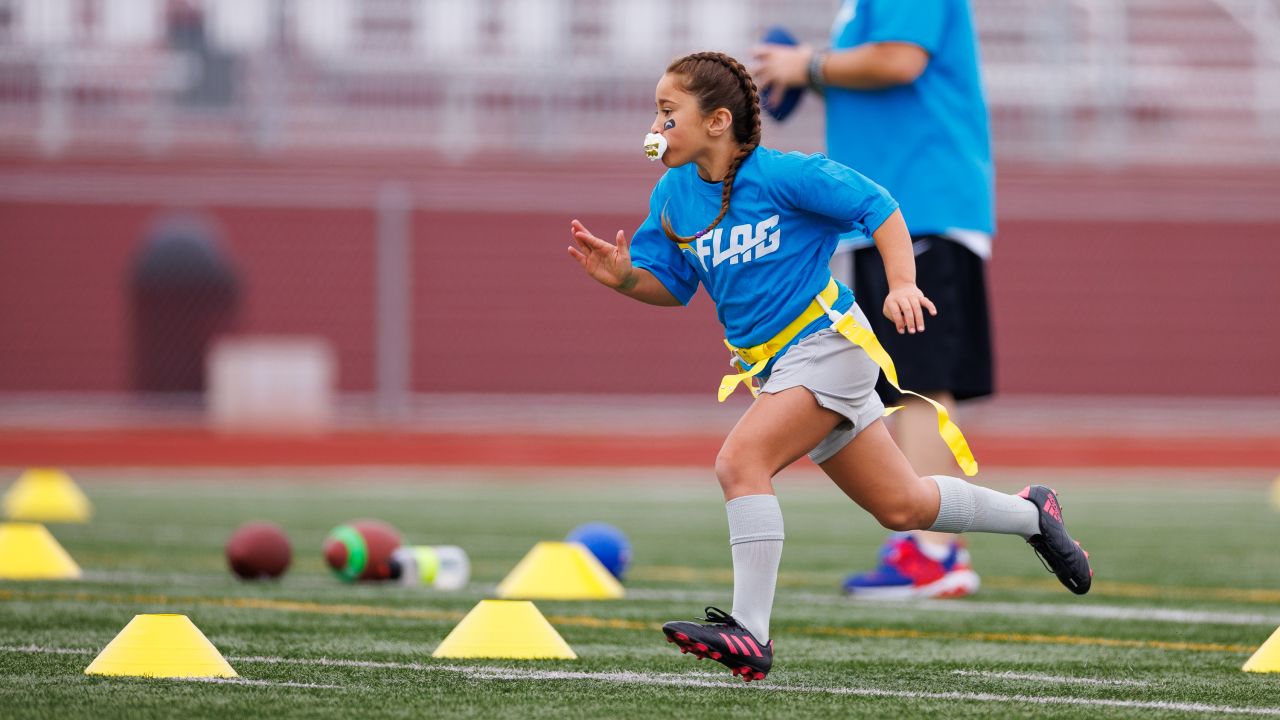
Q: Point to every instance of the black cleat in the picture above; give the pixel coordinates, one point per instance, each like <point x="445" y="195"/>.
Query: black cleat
<point x="1063" y="556"/>
<point x="724" y="641"/>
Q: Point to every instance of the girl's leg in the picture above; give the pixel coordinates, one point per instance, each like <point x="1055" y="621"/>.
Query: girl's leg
<point x="874" y="473"/>
<point x="916" y="434"/>
<point x="775" y="431"/>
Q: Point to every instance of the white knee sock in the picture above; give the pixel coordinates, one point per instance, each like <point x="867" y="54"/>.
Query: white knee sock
<point x="973" y="508"/>
<point x="755" y="540"/>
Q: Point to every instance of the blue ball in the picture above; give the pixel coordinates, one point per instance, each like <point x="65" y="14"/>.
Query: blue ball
<point x="607" y="543"/>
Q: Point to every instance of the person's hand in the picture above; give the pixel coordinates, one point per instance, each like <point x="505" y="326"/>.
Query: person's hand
<point x="778" y="67"/>
<point x="609" y="264"/>
<point x="905" y="306"/>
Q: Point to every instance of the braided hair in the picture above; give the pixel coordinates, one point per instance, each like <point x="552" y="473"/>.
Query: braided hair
<point x="719" y="81"/>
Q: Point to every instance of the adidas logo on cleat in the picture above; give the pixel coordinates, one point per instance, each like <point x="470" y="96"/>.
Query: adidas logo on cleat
<point x="1051" y="507"/>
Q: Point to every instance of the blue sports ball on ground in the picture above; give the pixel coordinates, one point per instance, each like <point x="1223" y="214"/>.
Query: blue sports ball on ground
<point x="607" y="543"/>
<point x="781" y="107"/>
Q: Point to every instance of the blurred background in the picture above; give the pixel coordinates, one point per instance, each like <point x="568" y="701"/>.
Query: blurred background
<point x="351" y="215"/>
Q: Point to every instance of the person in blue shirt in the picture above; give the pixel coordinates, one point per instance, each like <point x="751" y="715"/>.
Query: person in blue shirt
<point x="756" y="228"/>
<point x="905" y="105"/>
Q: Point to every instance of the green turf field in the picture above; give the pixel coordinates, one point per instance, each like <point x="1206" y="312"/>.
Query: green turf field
<point x="1187" y="586"/>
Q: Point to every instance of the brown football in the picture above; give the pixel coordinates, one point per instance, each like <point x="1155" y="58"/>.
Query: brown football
<point x="259" y="550"/>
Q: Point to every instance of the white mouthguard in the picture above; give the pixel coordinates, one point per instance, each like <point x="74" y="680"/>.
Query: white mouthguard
<point x="654" y="146"/>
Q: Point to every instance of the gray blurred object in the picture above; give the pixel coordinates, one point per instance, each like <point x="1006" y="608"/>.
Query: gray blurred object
<point x="212" y="85"/>
<point x="184" y="292"/>
<point x="394" y="369"/>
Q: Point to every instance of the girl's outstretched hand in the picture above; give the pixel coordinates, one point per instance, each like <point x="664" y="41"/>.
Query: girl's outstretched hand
<point x="609" y="264"/>
<point x="905" y="306"/>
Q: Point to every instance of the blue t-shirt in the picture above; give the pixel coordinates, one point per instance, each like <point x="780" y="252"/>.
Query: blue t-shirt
<point x="928" y="142"/>
<point x="767" y="259"/>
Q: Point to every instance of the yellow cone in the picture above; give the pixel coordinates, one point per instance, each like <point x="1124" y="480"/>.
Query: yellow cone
<point x="560" y="571"/>
<point x="1267" y="658"/>
<point x="167" y="646"/>
<point x="29" y="552"/>
<point x="1275" y="493"/>
<point x="46" y="495"/>
<point x="505" y="629"/>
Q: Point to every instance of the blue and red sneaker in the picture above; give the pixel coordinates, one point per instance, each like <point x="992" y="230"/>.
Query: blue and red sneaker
<point x="905" y="572"/>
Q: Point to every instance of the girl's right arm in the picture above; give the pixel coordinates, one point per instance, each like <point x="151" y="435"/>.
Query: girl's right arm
<point x="611" y="266"/>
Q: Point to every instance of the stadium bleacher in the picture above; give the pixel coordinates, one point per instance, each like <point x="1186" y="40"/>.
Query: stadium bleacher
<point x="1102" y="83"/>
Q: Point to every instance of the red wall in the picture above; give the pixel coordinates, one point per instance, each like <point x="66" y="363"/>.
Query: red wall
<point x="1137" y="307"/>
<point x="1081" y="305"/>
<point x="64" y="287"/>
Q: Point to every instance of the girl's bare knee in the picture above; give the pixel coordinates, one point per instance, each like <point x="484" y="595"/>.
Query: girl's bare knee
<point x="727" y="471"/>
<point x="898" y="520"/>
<point x="907" y="511"/>
<point x="739" y="476"/>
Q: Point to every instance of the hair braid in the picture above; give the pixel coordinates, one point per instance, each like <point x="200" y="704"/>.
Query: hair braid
<point x="713" y="90"/>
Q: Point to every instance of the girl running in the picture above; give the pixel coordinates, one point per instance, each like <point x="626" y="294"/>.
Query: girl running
<point x="763" y="258"/>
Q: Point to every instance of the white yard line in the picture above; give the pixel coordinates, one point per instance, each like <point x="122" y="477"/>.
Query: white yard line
<point x="683" y="680"/>
<point x="978" y="607"/>
<point x="1102" y="612"/>
<point x="217" y="579"/>
<point x="671" y="680"/>
<point x="246" y="681"/>
<point x="227" y="681"/>
<point x="1140" y="613"/>
<point x="40" y="649"/>
<point x="1048" y="678"/>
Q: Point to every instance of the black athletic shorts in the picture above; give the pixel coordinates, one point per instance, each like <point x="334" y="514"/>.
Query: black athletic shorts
<point x="953" y="354"/>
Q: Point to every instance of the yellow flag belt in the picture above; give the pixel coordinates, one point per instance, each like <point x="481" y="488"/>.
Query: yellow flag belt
<point x="757" y="358"/>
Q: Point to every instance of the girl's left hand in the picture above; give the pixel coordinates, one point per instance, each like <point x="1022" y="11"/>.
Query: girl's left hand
<point x="905" y="306"/>
<point x="781" y="66"/>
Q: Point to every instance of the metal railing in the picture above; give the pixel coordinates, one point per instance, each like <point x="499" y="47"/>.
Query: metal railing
<point x="1092" y="81"/>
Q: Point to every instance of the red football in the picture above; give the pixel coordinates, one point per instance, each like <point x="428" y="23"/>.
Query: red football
<point x="259" y="550"/>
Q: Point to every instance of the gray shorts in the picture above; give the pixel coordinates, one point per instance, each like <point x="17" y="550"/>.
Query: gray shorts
<point x="842" y="378"/>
